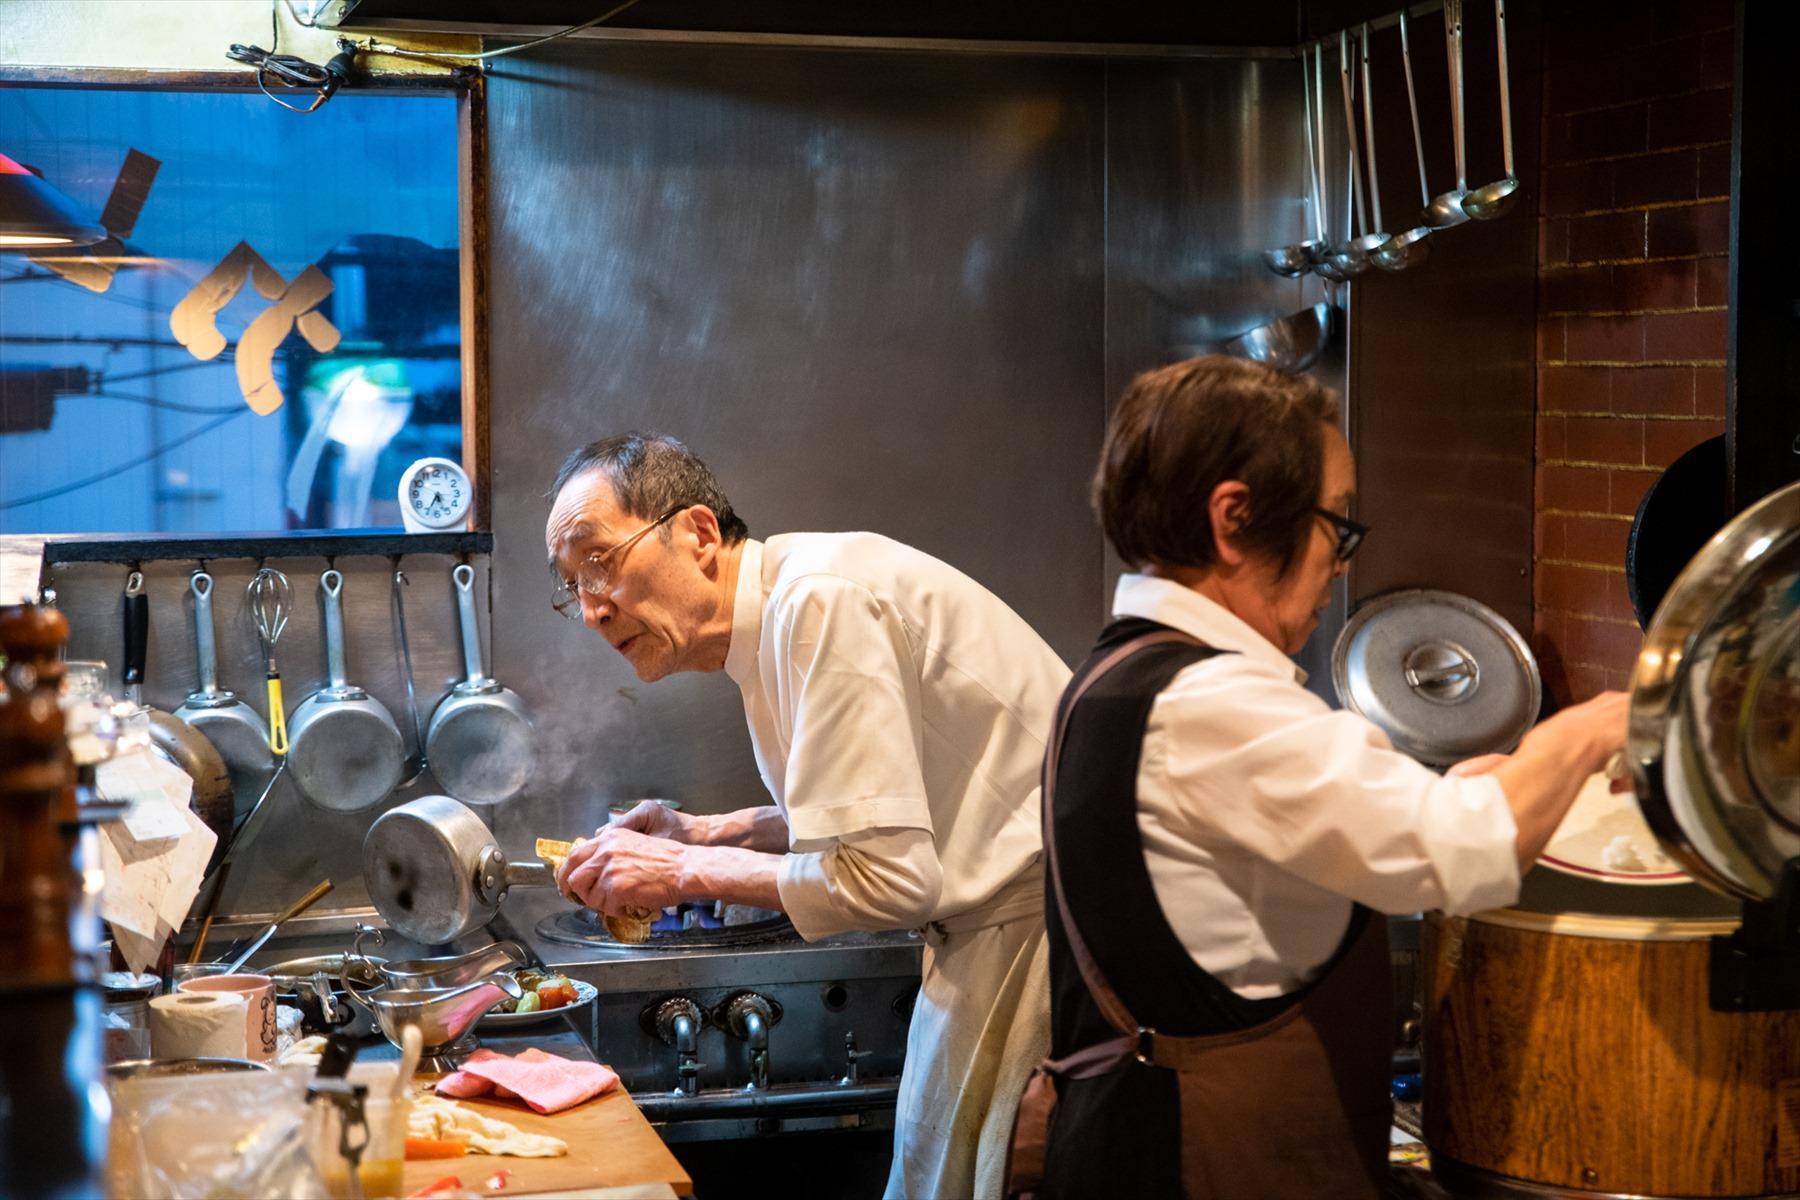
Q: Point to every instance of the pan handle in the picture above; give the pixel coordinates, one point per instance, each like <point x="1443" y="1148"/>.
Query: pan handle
<point x="205" y="646"/>
<point x="332" y="584"/>
<point x="463" y="576"/>
<point x="137" y="629"/>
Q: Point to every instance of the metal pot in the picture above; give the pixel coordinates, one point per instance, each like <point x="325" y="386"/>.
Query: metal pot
<point x="236" y="729"/>
<point x="481" y="743"/>
<point x="434" y="871"/>
<point x="344" y="750"/>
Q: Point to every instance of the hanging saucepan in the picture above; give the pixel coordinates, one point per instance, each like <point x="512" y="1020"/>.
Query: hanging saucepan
<point x="434" y="871"/>
<point x="1683" y="508"/>
<point x="171" y="737"/>
<point x="481" y="743"/>
<point x="231" y="725"/>
<point x="344" y="750"/>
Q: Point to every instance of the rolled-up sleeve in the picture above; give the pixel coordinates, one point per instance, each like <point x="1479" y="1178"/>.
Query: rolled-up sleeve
<point x="1262" y="766"/>
<point x="878" y="879"/>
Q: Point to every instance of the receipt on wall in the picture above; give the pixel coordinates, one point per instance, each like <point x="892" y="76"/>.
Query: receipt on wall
<point x="21" y="569"/>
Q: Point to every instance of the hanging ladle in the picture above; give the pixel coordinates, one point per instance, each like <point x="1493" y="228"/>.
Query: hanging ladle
<point x="1447" y="208"/>
<point x="1406" y="248"/>
<point x="1326" y="268"/>
<point x="1298" y="258"/>
<point x="1493" y="199"/>
<point x="1352" y="257"/>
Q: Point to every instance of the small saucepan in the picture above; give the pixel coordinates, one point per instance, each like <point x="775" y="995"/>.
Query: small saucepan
<point x="434" y="870"/>
<point x="480" y="743"/>
<point x="234" y="727"/>
<point x="344" y="749"/>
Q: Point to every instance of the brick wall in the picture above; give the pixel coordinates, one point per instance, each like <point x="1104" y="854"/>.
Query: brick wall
<point x="1632" y="226"/>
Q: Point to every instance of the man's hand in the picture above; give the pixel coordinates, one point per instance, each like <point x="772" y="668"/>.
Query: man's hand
<point x="656" y="820"/>
<point x="621" y="868"/>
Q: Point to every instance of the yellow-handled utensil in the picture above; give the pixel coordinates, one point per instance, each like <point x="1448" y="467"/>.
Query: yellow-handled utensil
<point x="271" y="599"/>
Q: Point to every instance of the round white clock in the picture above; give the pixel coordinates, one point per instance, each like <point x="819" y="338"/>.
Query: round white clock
<point x="435" y="496"/>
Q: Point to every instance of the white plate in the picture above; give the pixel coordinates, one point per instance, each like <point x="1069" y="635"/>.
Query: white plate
<point x="584" y="995"/>
<point x="1599" y="818"/>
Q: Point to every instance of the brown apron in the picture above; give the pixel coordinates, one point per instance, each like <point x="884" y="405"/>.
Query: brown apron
<point x="1281" y="1106"/>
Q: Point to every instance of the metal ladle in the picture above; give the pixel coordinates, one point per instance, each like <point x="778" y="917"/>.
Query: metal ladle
<point x="1494" y="199"/>
<point x="1297" y="258"/>
<point x="1352" y="258"/>
<point x="1406" y="248"/>
<point x="1446" y="209"/>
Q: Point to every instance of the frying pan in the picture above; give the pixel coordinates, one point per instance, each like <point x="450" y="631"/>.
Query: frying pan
<point x="236" y="729"/>
<point x="344" y="749"/>
<point x="187" y="748"/>
<point x="1683" y="508"/>
<point x="480" y="743"/>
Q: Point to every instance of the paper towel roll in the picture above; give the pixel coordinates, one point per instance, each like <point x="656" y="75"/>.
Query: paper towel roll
<point x="198" y="1025"/>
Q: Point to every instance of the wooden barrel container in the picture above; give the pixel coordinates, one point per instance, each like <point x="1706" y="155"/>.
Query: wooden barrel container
<point x="1576" y="1055"/>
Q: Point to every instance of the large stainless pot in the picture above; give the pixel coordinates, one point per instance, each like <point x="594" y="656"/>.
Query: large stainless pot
<point x="434" y="871"/>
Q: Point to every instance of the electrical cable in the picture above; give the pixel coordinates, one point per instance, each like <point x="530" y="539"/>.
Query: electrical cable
<point x="139" y="461"/>
<point x="372" y="46"/>
<point x="196" y="410"/>
<point x="293" y="71"/>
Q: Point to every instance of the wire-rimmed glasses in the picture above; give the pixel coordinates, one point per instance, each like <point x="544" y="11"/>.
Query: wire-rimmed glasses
<point x="595" y="574"/>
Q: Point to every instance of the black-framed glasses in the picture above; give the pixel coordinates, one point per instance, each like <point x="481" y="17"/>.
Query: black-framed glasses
<point x="1350" y="534"/>
<point x="595" y="574"/>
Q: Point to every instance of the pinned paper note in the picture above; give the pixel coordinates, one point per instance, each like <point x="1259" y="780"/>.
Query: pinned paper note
<point x="157" y="791"/>
<point x="21" y="569"/>
<point x="151" y="882"/>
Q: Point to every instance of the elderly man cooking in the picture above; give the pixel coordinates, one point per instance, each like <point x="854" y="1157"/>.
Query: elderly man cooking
<point x="898" y="712"/>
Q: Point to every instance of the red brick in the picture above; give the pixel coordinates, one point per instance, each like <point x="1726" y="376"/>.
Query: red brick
<point x="1546" y="627"/>
<point x="1550" y="339"/>
<point x="1673" y="337"/>
<point x="1552" y="438"/>
<point x="1715" y="172"/>
<point x="1663" y="69"/>
<point x="1654" y="391"/>
<point x="1611" y="440"/>
<point x="1553" y="241"/>
<point x="1574" y="489"/>
<point x="1642" y="287"/>
<point x="1666" y="441"/>
<point x="1618" y="681"/>
<point x="1577" y="289"/>
<point x="1675" y="18"/>
<point x="1585" y="84"/>
<point x="1709" y="392"/>
<point x="1604" y="339"/>
<point x="1562" y="587"/>
<point x="1627" y="490"/>
<point x="1575" y="389"/>
<point x="1656" y="178"/>
<point x="1718" y="58"/>
<point x="1691" y="120"/>
<point x="1581" y="33"/>
<point x="1583" y="682"/>
<point x="1610" y="644"/>
<point x="1712" y="277"/>
<point x="1691" y="229"/>
<point x="1547" y="535"/>
<point x="1578" y="188"/>
<point x="1607" y="237"/>
<point x="1603" y="133"/>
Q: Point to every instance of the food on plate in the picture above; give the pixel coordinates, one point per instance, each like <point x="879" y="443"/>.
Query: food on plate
<point x="631" y="927"/>
<point x="543" y="992"/>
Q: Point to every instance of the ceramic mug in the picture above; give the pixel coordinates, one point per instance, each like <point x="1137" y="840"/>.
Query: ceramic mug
<point x="259" y="1008"/>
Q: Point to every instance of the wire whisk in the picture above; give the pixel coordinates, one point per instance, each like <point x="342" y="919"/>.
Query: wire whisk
<point x="271" y="599"/>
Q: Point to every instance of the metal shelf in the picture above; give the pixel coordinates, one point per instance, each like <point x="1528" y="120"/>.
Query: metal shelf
<point x="336" y="544"/>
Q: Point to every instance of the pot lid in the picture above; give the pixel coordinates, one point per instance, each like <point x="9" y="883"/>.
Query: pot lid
<point x="1446" y="677"/>
<point x="1715" y="705"/>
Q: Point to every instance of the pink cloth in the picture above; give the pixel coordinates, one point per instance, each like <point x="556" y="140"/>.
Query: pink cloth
<point x="545" y="1082"/>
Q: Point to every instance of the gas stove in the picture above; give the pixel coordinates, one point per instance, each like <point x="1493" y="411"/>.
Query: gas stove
<point x="726" y="1023"/>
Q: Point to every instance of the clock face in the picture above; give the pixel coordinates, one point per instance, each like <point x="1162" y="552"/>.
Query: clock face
<point x="438" y="495"/>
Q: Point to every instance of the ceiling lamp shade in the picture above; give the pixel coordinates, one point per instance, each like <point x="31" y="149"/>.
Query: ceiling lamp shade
<point x="32" y="213"/>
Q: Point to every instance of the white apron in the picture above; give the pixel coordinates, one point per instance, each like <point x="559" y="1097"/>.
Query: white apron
<point x="981" y="1023"/>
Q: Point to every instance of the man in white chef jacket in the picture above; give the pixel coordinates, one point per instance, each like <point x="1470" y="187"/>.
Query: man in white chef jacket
<point x="899" y="713"/>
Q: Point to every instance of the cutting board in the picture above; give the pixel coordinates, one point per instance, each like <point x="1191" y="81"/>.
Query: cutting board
<point x="610" y="1145"/>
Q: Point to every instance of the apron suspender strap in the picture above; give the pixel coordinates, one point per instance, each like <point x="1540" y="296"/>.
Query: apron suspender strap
<point x="1107" y="1000"/>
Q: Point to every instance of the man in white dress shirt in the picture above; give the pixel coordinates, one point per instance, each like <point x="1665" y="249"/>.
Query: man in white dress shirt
<point x="898" y="712"/>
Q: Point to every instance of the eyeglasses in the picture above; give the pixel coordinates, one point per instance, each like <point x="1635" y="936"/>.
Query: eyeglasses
<point x="1350" y="534"/>
<point x="595" y="574"/>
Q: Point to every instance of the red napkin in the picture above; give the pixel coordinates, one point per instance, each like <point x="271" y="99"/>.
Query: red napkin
<point x="545" y="1082"/>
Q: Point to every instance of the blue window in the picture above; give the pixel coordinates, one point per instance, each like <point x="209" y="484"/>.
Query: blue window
<point x="270" y="335"/>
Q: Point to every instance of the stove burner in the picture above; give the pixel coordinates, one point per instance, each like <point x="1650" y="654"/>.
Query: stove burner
<point x="687" y="926"/>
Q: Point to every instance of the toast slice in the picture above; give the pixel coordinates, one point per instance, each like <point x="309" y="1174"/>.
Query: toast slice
<point x="632" y="927"/>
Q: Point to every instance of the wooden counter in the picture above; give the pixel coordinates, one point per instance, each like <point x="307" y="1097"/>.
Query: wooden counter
<point x="610" y="1146"/>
